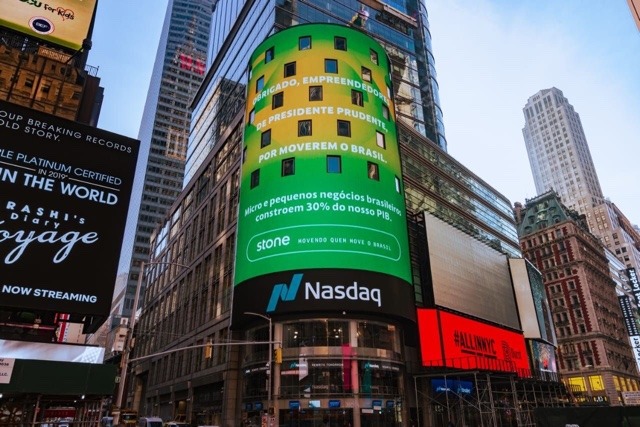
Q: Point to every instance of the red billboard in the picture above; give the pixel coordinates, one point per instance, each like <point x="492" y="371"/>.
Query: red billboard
<point x="452" y="341"/>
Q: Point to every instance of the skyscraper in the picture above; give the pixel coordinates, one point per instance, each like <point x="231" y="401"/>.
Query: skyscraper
<point x="558" y="151"/>
<point x="560" y="161"/>
<point x="164" y="132"/>
<point x="330" y="97"/>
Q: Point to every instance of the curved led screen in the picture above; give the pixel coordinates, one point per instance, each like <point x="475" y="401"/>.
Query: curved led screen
<point x="322" y="222"/>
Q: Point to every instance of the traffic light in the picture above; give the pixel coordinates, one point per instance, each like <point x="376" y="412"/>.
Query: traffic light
<point x="277" y="355"/>
<point x="208" y="350"/>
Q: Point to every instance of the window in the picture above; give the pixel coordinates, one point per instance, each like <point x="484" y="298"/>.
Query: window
<point x="304" y="43"/>
<point x="340" y="43"/>
<point x="374" y="56"/>
<point x="372" y="171"/>
<point x="290" y="69"/>
<point x="331" y="66"/>
<point x="277" y="100"/>
<point x="397" y="185"/>
<point x="334" y="164"/>
<point x="385" y="112"/>
<point x="315" y="93"/>
<point x="357" y="98"/>
<point x="344" y="128"/>
<point x="366" y="74"/>
<point x="28" y="82"/>
<point x="288" y="166"/>
<point x="252" y="116"/>
<point x="255" y="178"/>
<point x="304" y="128"/>
<point x="259" y="84"/>
<point x="265" y="138"/>
<point x="268" y="55"/>
<point x="380" y="142"/>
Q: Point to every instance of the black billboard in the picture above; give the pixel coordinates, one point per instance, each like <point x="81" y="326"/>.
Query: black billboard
<point x="64" y="195"/>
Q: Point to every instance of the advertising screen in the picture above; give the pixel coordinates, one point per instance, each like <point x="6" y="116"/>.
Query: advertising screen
<point x="61" y="22"/>
<point x="469" y="276"/>
<point x="64" y="195"/>
<point x="321" y="223"/>
<point x="453" y="341"/>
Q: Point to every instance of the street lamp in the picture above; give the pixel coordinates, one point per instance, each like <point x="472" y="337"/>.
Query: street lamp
<point x="267" y="318"/>
<point x="124" y="365"/>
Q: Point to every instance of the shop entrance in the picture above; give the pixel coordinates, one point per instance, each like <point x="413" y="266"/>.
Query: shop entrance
<point x="316" y="417"/>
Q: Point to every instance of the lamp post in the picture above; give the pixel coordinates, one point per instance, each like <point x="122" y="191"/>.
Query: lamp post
<point x="270" y="372"/>
<point x="124" y="364"/>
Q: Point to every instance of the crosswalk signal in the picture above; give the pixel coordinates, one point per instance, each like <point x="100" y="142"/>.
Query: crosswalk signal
<point x="277" y="355"/>
<point x="208" y="350"/>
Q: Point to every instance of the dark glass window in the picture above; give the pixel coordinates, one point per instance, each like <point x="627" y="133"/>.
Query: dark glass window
<point x="315" y="93"/>
<point x="255" y="178"/>
<point x="366" y="74"/>
<point x="385" y="112"/>
<point x="277" y="100"/>
<point x="304" y="127"/>
<point x="357" y="98"/>
<point x="344" y="128"/>
<point x="373" y="171"/>
<point x="288" y="166"/>
<point x="290" y="69"/>
<point x="265" y="138"/>
<point x="304" y="43"/>
<point x="269" y="55"/>
<point x="340" y="43"/>
<point x="259" y="84"/>
<point x="331" y="66"/>
<point x="334" y="164"/>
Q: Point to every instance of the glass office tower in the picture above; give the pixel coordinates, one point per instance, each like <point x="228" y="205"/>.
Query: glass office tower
<point x="164" y="132"/>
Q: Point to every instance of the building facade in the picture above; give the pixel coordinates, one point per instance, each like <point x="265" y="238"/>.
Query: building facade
<point x="594" y="354"/>
<point x="560" y="161"/>
<point x="164" y="132"/>
<point x="338" y="363"/>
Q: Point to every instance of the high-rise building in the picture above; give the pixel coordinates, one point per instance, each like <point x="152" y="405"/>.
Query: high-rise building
<point x="560" y="161"/>
<point x="594" y="352"/>
<point x="340" y="123"/>
<point x="558" y="151"/>
<point x="164" y="132"/>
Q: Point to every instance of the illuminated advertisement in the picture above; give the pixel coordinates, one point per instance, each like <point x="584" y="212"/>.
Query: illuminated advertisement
<point x="64" y="195"/>
<point x="321" y="222"/>
<point x="629" y="317"/>
<point x="452" y="341"/>
<point x="61" y="22"/>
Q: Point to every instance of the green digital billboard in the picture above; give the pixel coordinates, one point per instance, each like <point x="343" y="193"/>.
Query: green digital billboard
<point x="322" y="209"/>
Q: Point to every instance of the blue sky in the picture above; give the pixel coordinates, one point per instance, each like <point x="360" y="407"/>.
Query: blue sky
<point x="491" y="56"/>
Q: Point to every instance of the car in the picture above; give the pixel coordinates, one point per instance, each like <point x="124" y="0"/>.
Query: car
<point x="176" y="424"/>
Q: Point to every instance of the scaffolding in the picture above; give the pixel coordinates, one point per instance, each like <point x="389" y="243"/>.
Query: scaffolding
<point x="484" y="399"/>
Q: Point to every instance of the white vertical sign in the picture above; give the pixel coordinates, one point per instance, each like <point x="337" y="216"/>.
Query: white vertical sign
<point x="6" y="369"/>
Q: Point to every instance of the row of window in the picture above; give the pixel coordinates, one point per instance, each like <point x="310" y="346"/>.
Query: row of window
<point x="334" y="165"/>
<point x="330" y="67"/>
<point x="305" y="43"/>
<point x="305" y="128"/>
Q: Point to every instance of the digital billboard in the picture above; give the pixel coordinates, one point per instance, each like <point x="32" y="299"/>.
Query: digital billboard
<point x="61" y="22"/>
<point x="453" y="341"/>
<point x="64" y="194"/>
<point x="469" y="276"/>
<point x="321" y="222"/>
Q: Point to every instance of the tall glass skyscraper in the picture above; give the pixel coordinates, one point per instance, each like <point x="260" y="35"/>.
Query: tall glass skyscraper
<point x="164" y="132"/>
